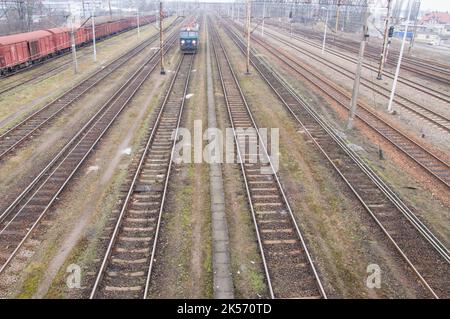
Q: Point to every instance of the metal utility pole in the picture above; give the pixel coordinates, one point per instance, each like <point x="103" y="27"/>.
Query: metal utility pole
<point x="137" y="21"/>
<point x="93" y="33"/>
<point x="324" y="31"/>
<point x="232" y="11"/>
<point x="385" y="41"/>
<point x="82" y="5"/>
<point x="417" y="11"/>
<point x="263" y="17"/>
<point x="400" y="55"/>
<point x="74" y="51"/>
<point x="248" y="35"/>
<point x="239" y="8"/>
<point x="291" y="15"/>
<point x="337" y="16"/>
<point x="161" y="42"/>
<point x="354" y="100"/>
<point x="109" y="5"/>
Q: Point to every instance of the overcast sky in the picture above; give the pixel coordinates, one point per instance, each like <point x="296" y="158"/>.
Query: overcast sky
<point x="440" y="5"/>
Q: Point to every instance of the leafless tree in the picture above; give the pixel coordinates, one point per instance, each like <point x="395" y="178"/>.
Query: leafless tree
<point x="19" y="14"/>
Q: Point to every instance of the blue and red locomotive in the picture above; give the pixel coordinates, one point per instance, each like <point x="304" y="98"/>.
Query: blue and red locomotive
<point x="189" y="38"/>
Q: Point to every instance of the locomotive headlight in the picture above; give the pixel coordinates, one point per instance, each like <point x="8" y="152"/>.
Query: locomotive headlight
<point x="194" y="42"/>
<point x="182" y="41"/>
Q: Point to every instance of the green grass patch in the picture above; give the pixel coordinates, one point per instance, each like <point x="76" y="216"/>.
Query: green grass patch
<point x="257" y="281"/>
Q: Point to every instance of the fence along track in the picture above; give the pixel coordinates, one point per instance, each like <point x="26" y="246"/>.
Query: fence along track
<point x="27" y="128"/>
<point x="126" y="268"/>
<point x="19" y="220"/>
<point x="427" y="257"/>
<point x="289" y="269"/>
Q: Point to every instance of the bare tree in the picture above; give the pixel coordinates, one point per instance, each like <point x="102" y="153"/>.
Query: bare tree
<point x="28" y="15"/>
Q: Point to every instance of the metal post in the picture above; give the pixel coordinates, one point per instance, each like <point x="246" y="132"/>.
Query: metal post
<point x="263" y="17"/>
<point x="239" y="8"/>
<point x="291" y="16"/>
<point x="161" y="42"/>
<point x="82" y="5"/>
<point x="74" y="50"/>
<point x="400" y="55"/>
<point x="347" y="17"/>
<point x="248" y="35"/>
<point x="337" y="16"/>
<point x="411" y="43"/>
<point x="385" y="41"/>
<point x="156" y="20"/>
<point x="137" y="18"/>
<point x="325" y="31"/>
<point x="354" y="100"/>
<point x="93" y="33"/>
<point x="109" y="5"/>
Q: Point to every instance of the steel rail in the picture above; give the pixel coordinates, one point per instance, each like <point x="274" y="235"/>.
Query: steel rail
<point x="403" y="208"/>
<point x="138" y="170"/>
<point x="444" y="251"/>
<point x="66" y="99"/>
<point x="436" y="173"/>
<point x="275" y="175"/>
<point x="442" y="121"/>
<point x="427" y="71"/>
<point x="166" y="184"/>
<point x="77" y="141"/>
<point x="44" y="171"/>
<point x="410" y="82"/>
<point x="37" y="65"/>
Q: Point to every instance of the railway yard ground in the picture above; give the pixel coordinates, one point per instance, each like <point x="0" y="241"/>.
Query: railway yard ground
<point x="107" y="191"/>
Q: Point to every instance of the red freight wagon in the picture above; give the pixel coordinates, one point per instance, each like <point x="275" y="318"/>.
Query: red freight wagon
<point x="104" y="26"/>
<point x="81" y="37"/>
<point x="128" y="23"/>
<point x="61" y="38"/>
<point x="147" y="19"/>
<point x="19" y="50"/>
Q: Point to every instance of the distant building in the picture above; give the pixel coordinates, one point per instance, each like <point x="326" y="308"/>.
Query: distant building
<point x="428" y="38"/>
<point x="433" y="28"/>
<point x="435" y="18"/>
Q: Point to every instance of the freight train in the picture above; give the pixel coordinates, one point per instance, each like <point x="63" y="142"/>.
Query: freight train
<point x="189" y="37"/>
<point x="22" y="50"/>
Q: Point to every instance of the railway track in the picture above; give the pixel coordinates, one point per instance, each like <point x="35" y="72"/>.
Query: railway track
<point x="34" y="78"/>
<point x="289" y="269"/>
<point x="45" y="74"/>
<point x="431" y="163"/>
<point x="438" y="94"/>
<point x="425" y="255"/>
<point x="435" y="118"/>
<point x="23" y="215"/>
<point x="435" y="71"/>
<point x="127" y="265"/>
<point x="432" y="71"/>
<point x="12" y="138"/>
